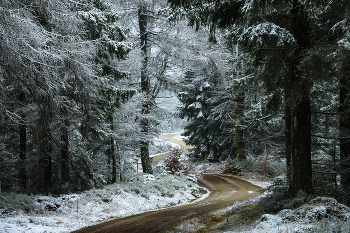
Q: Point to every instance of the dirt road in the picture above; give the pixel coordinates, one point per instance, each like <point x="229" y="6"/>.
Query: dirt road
<point x="225" y="191"/>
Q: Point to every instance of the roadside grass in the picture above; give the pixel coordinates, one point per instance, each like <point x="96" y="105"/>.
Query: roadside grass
<point x="219" y="221"/>
<point x="198" y="224"/>
<point x="241" y="220"/>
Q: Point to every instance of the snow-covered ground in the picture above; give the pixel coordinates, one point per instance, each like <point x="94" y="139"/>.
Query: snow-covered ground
<point x="70" y="212"/>
<point x="164" y="146"/>
<point x="146" y="193"/>
<point x="321" y="214"/>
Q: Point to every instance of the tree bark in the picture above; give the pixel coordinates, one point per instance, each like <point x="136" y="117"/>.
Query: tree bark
<point x="65" y="171"/>
<point x="22" y="173"/>
<point x="239" y="133"/>
<point x="46" y="163"/>
<point x="300" y="173"/>
<point x="45" y="149"/>
<point x="145" y="87"/>
<point x="300" y="164"/>
<point x="114" y="160"/>
<point x="344" y="126"/>
<point x="288" y="127"/>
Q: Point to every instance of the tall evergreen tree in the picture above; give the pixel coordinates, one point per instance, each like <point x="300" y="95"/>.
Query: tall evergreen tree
<point x="143" y="19"/>
<point x="101" y="23"/>
<point x="278" y="35"/>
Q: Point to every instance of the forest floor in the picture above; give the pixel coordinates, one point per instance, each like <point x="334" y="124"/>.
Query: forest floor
<point x="321" y="214"/>
<point x="224" y="209"/>
<point x="67" y="213"/>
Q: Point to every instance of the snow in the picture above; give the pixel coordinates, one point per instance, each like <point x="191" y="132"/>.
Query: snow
<point x="307" y="217"/>
<point x="72" y="212"/>
<point x="179" y="137"/>
<point x="163" y="146"/>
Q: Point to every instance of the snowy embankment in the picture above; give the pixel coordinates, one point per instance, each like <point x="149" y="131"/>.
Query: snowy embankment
<point x="70" y="212"/>
<point x="321" y="214"/>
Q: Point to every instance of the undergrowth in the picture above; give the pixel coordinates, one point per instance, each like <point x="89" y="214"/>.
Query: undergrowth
<point x="277" y="197"/>
<point x="11" y="202"/>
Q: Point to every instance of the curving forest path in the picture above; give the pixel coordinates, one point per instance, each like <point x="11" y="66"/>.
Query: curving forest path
<point x="170" y="138"/>
<point x="225" y="191"/>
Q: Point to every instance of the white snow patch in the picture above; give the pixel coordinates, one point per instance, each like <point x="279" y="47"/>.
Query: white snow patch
<point x="304" y="218"/>
<point x="94" y="206"/>
<point x="179" y="137"/>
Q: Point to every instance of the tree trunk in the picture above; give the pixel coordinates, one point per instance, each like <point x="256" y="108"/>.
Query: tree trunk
<point x="145" y="87"/>
<point x="45" y="162"/>
<point x="300" y="174"/>
<point x="114" y="161"/>
<point x="287" y="130"/>
<point x="239" y="133"/>
<point x="65" y="171"/>
<point x="344" y="127"/>
<point x="22" y="173"/>
<point x="45" y="149"/>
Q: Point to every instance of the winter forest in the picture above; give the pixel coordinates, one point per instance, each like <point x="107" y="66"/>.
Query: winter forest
<point x="87" y="85"/>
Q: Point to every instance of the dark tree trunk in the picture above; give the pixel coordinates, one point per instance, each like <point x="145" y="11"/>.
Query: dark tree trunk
<point x="112" y="149"/>
<point x="344" y="126"/>
<point x="145" y="87"/>
<point x="45" y="149"/>
<point x="239" y="133"/>
<point x="287" y="130"/>
<point x="46" y="163"/>
<point x="22" y="173"/>
<point x="65" y="171"/>
<point x="114" y="162"/>
<point x="300" y="174"/>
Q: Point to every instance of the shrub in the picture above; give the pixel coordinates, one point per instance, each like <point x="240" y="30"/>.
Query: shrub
<point x="173" y="161"/>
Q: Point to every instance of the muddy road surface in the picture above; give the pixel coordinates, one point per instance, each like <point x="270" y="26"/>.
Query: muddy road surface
<point x="225" y="191"/>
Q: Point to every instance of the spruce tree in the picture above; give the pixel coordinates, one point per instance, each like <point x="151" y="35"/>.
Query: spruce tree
<point x="277" y="35"/>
